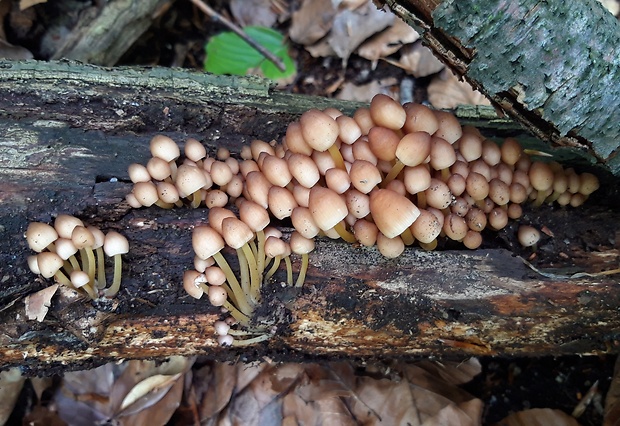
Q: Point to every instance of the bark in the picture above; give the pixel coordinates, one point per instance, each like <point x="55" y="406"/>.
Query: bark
<point x="68" y="133"/>
<point x="549" y="65"/>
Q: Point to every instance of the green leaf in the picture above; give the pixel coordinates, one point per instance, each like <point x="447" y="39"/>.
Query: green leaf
<point x="227" y="53"/>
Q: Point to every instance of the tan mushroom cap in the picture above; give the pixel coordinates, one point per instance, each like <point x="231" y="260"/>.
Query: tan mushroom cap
<point x="40" y="235"/>
<point x="511" y="151"/>
<point x="365" y="232"/>
<point x="49" y="263"/>
<point x="281" y="202"/>
<point x="386" y="112"/>
<point x="158" y="168"/>
<point x="164" y="148"/>
<point x="215" y="275"/>
<point x="82" y="237"/>
<point x="528" y="235"/>
<point x="438" y="194"/>
<point x="390" y="247"/>
<point x="79" y="278"/>
<point x="327" y="207"/>
<point x="472" y="240"/>
<point x="364" y="176"/>
<point x="541" y="176"/>
<point x="295" y="141"/>
<point x="138" y="173"/>
<point x="477" y="186"/>
<point x="217" y="216"/>
<point x="414" y="148"/>
<point x="442" y="153"/>
<point x="304" y="170"/>
<point x="318" y="129"/>
<point x="348" y="129"/>
<point x="257" y="188"/>
<point x="115" y="244"/>
<point x="588" y="183"/>
<point x="236" y="233"/>
<point x="383" y="142"/>
<point x="190" y="280"/>
<point x="300" y="244"/>
<point x="392" y="212"/>
<point x="470" y="146"/>
<point x="420" y="118"/>
<point x="363" y="119"/>
<point x="254" y="215"/>
<point x="303" y="222"/>
<point x="358" y="203"/>
<point x="417" y="179"/>
<point x="455" y="227"/>
<point x="189" y="179"/>
<point x="217" y="295"/>
<point x="206" y="241"/>
<point x="426" y="227"/>
<point x="338" y="180"/>
<point x="449" y="126"/>
<point x="276" y="170"/>
<point x="64" y="225"/>
<point x="194" y="150"/>
<point x="146" y="193"/>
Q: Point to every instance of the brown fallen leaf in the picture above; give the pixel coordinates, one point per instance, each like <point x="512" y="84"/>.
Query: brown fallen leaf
<point x="25" y="4"/>
<point x="38" y="304"/>
<point x="418" y="60"/>
<point x="365" y="92"/>
<point x="388" y="42"/>
<point x="539" y="417"/>
<point x="612" y="400"/>
<point x="11" y="383"/>
<point x="312" y="21"/>
<point x="447" y="92"/>
<point x="253" y="12"/>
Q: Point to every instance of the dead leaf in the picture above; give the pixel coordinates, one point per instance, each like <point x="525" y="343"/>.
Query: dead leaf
<point x="11" y="383"/>
<point x="447" y="92"/>
<point x="388" y="41"/>
<point x="365" y="92"/>
<point x="539" y="417"/>
<point x="418" y="60"/>
<point x="38" y="304"/>
<point x="253" y="12"/>
<point x="312" y="21"/>
<point x="25" y="4"/>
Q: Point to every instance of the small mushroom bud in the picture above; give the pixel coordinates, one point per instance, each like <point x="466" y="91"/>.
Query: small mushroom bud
<point x="528" y="236"/>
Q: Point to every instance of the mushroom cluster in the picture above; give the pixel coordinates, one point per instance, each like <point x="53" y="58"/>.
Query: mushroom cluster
<point x="167" y="180"/>
<point x="73" y="254"/>
<point x="390" y="175"/>
<point x="256" y="246"/>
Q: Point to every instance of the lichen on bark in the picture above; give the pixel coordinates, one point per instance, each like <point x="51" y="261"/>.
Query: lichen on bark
<point x="569" y="82"/>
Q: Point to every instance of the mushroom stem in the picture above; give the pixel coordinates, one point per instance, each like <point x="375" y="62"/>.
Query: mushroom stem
<point x="62" y="279"/>
<point x="116" y="281"/>
<point x="274" y="267"/>
<point x="396" y="169"/>
<point x="88" y="263"/>
<point x="407" y="237"/>
<point x="429" y="246"/>
<point x="260" y="255"/>
<point x="289" y="270"/>
<point x="337" y="157"/>
<point x="255" y="281"/>
<point x="196" y="198"/>
<point x="344" y="234"/>
<point x="242" y="318"/>
<point x="242" y="301"/>
<point x="101" y="283"/>
<point x="302" y="270"/>
<point x="245" y="274"/>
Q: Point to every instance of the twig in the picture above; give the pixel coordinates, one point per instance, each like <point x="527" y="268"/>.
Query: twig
<point x="234" y="28"/>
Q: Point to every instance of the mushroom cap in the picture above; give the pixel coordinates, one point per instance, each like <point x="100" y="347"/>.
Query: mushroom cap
<point x="511" y="151"/>
<point x="217" y="216"/>
<point x="65" y="248"/>
<point x="236" y="233"/>
<point x="455" y="227"/>
<point x="257" y="188"/>
<point x="220" y="173"/>
<point x="588" y="183"/>
<point x="491" y="153"/>
<point x="426" y="227"/>
<point x="189" y="179"/>
<point x="79" y="278"/>
<point x="477" y="186"/>
<point x="206" y="241"/>
<point x="254" y="215"/>
<point x="390" y="247"/>
<point x="303" y="222"/>
<point x="164" y="148"/>
<point x="146" y="193"/>
<point x="167" y="192"/>
<point x="217" y="295"/>
<point x="304" y="170"/>
<point x="49" y="263"/>
<point x="194" y="150"/>
<point x="383" y="142"/>
<point x="363" y="119"/>
<point x="528" y="235"/>
<point x="281" y="202"/>
<point x="39" y="235"/>
<point x="414" y="148"/>
<point x="358" y="203"/>
<point x="115" y="244"/>
<point x="138" y="173"/>
<point x="327" y="207"/>
<point x="276" y="170"/>
<point x="541" y="176"/>
<point x="274" y="246"/>
<point x="65" y="223"/>
<point x="82" y="237"/>
<point x="365" y="232"/>
<point x="420" y="118"/>
<point x="449" y="126"/>
<point x="392" y="212"/>
<point x="189" y="284"/>
<point x="99" y="236"/>
<point x="364" y="176"/>
<point x="472" y="240"/>
<point x="442" y="153"/>
<point x="417" y="179"/>
<point x="158" y="168"/>
<point x="348" y="129"/>
<point x="386" y="112"/>
<point x="438" y="194"/>
<point x="215" y="275"/>
<point x="295" y="141"/>
<point x="338" y="180"/>
<point x="258" y="146"/>
<point x="300" y="244"/>
<point x="33" y="265"/>
<point x="318" y="129"/>
<point x="499" y="192"/>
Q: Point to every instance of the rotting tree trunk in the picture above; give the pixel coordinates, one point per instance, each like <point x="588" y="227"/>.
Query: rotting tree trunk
<point x="67" y="129"/>
<point x="551" y="65"/>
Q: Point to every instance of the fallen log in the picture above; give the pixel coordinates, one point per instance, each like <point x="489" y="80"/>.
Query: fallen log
<point x="68" y="134"/>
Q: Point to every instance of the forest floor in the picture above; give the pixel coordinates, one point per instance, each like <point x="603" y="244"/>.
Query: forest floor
<point x="177" y="37"/>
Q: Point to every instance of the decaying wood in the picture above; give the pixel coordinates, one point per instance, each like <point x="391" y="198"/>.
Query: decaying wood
<point x="68" y="133"/>
<point x="554" y="78"/>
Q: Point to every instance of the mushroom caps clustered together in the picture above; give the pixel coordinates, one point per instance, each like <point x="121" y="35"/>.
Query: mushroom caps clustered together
<point x="73" y="254"/>
<point x="238" y="293"/>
